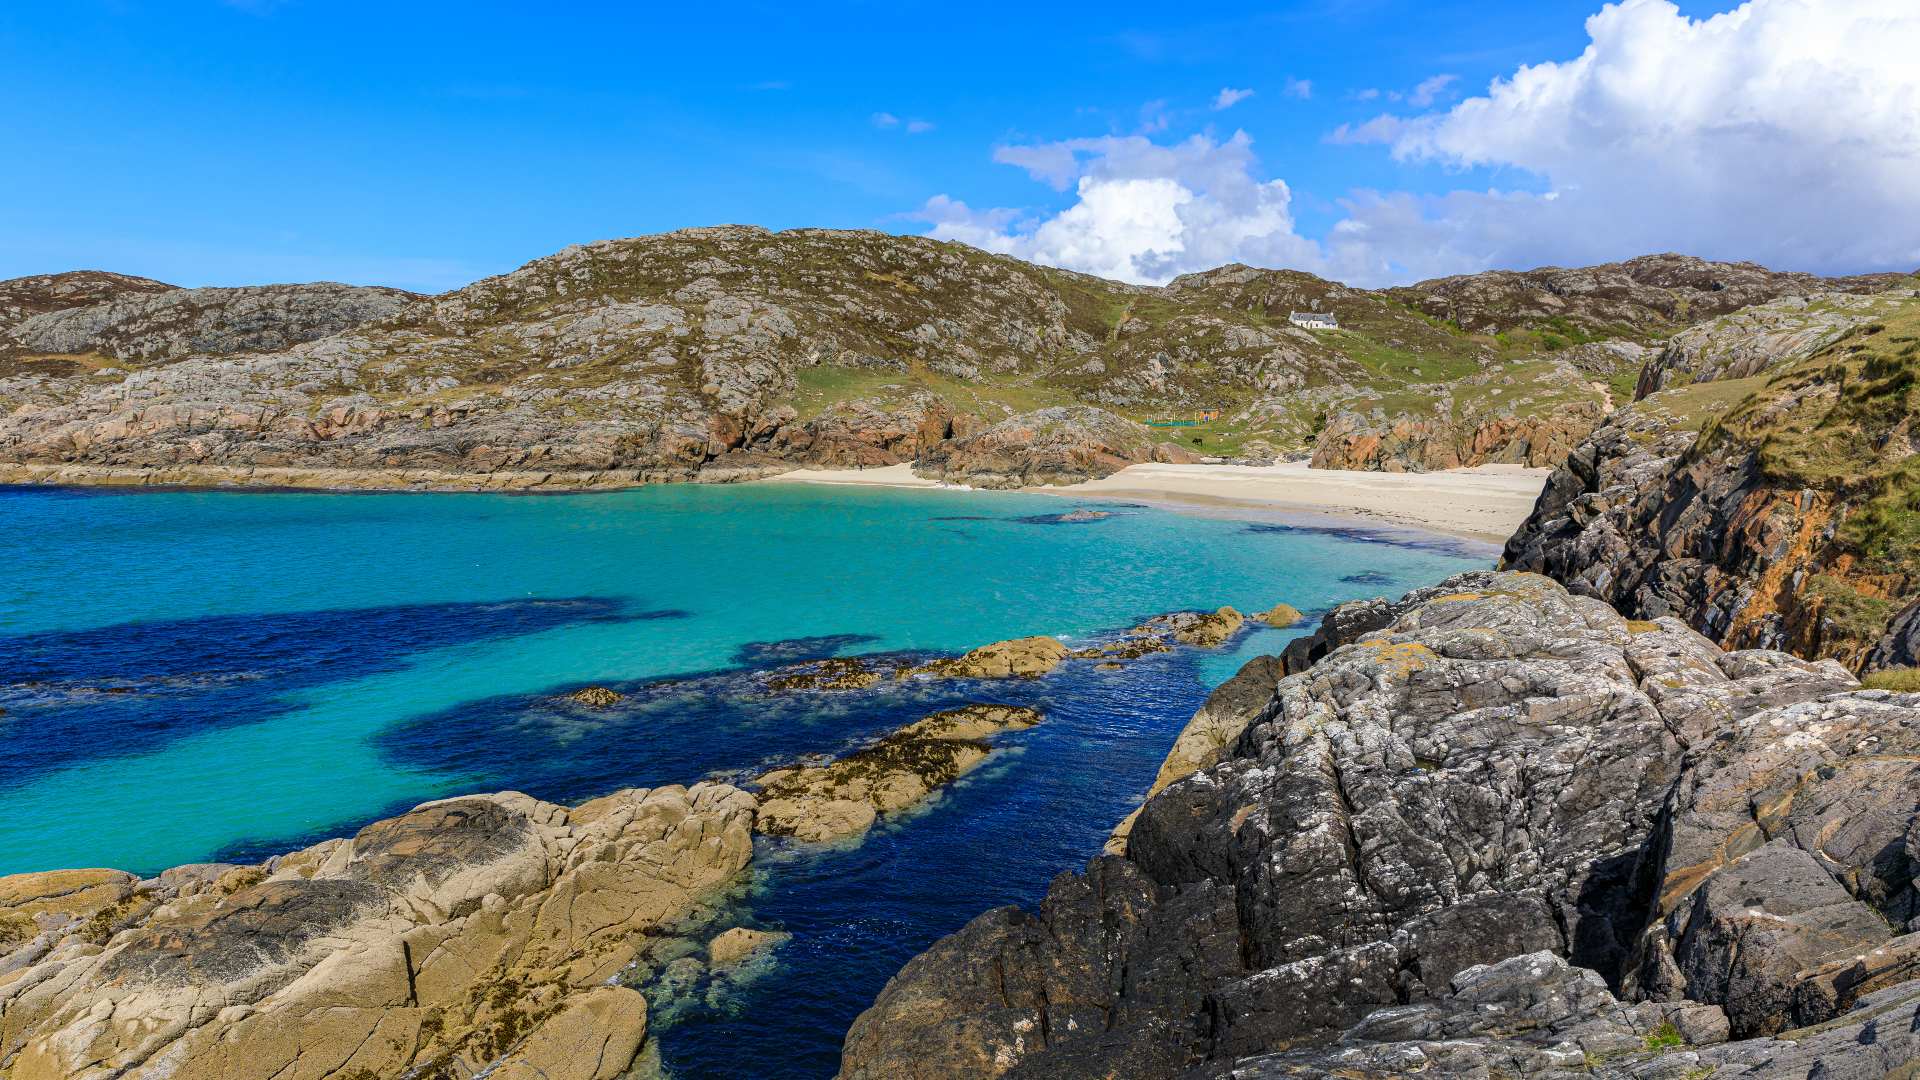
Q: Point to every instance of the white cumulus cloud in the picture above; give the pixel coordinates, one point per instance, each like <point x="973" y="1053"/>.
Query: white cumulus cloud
<point x="1142" y="211"/>
<point x="1783" y="131"/>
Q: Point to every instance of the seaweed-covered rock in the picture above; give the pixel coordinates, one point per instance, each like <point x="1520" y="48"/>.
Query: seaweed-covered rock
<point x="1020" y="658"/>
<point x="846" y="796"/>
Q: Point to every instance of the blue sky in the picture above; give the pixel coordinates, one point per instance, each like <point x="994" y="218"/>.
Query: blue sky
<point x="425" y="145"/>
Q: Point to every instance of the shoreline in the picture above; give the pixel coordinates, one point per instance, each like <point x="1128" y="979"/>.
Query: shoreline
<point x="1483" y="504"/>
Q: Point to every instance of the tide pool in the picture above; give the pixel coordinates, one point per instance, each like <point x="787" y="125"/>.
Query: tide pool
<point x="198" y="675"/>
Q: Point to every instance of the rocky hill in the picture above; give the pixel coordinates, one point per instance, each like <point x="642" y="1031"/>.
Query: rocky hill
<point x="1495" y="829"/>
<point x="1638" y="300"/>
<point x="718" y="354"/>
<point x="136" y="329"/>
<point x="1767" y="497"/>
<point x="23" y="298"/>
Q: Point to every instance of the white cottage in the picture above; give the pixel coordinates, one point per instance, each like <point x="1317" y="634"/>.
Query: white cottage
<point x="1314" y="320"/>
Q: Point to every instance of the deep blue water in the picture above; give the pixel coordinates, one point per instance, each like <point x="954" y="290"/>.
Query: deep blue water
<point x="201" y="674"/>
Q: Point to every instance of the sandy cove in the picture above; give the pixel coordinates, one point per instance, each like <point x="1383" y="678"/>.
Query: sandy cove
<point x="1484" y="503"/>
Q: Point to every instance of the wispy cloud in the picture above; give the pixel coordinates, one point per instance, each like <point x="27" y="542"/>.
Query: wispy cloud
<point x="887" y="121"/>
<point x="1430" y="90"/>
<point x="1298" y="88"/>
<point x="1228" y="97"/>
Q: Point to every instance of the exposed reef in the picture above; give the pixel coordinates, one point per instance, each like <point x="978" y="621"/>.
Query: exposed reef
<point x="846" y="796"/>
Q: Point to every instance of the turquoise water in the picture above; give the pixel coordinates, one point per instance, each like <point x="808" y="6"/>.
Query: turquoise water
<point x="203" y="674"/>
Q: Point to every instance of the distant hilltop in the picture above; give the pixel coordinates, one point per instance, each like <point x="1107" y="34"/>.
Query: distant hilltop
<point x="732" y="352"/>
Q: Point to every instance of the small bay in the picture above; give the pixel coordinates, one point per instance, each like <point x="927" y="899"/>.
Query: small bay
<point x="198" y="675"/>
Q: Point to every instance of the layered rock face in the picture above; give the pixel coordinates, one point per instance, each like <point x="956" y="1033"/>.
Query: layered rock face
<point x="1493" y="827"/>
<point x="480" y="932"/>
<point x="1765" y="499"/>
<point x="1755" y="340"/>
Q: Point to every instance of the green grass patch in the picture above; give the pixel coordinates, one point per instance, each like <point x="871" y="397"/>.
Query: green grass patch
<point x="1904" y="680"/>
<point x="1665" y="1037"/>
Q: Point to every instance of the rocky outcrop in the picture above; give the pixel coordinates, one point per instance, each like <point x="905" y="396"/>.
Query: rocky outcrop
<point x="1754" y="340"/>
<point x="1532" y="415"/>
<point x="23" y="298"/>
<point x="1767" y="513"/>
<point x="1201" y="629"/>
<point x="138" y="328"/>
<point x="1650" y="293"/>
<point x="731" y="947"/>
<point x="1506" y="830"/>
<point x="1021" y="658"/>
<point x="1281" y="615"/>
<point x="1051" y="446"/>
<point x="857" y="434"/>
<point x="596" y="697"/>
<point x="846" y="796"/>
<point x="479" y="933"/>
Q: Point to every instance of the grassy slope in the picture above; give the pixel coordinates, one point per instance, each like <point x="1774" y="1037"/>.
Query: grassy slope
<point x="1841" y="421"/>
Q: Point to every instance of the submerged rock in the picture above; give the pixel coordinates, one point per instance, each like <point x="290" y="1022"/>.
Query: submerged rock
<point x="730" y="947"/>
<point x="467" y="935"/>
<point x="1084" y="515"/>
<point x="846" y="796"/>
<point x="833" y="673"/>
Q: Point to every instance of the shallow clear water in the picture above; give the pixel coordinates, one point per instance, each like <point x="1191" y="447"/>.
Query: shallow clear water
<point x="207" y="674"/>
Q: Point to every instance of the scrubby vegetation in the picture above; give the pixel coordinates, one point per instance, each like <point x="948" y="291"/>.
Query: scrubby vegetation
<point x="1841" y="422"/>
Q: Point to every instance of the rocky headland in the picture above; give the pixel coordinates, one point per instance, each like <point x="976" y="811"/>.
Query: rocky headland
<point x="1494" y="828"/>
